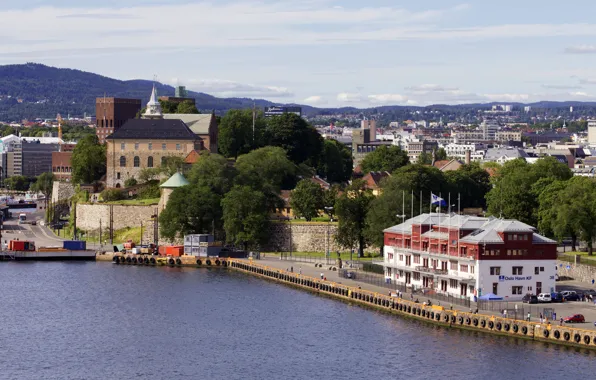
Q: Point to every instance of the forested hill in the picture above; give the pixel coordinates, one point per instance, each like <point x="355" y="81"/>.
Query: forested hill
<point x="46" y="91"/>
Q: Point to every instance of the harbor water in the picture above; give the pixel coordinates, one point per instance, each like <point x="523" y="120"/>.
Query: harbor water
<point x="103" y="321"/>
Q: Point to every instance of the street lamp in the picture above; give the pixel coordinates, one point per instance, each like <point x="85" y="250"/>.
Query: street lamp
<point x="329" y="211"/>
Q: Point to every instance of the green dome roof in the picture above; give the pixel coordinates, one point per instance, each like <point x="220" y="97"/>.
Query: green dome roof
<point x="175" y="181"/>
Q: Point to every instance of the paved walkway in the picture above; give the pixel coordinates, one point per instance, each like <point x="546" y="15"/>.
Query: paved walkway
<point x="561" y="310"/>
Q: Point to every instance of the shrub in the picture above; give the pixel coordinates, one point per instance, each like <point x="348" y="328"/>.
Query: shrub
<point x="110" y="195"/>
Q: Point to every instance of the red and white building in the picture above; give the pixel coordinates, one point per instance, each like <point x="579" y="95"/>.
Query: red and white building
<point x="468" y="256"/>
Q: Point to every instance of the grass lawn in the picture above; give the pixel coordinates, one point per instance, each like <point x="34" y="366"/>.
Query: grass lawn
<point x="135" y="202"/>
<point x="120" y="236"/>
<point x="585" y="259"/>
<point x="333" y="255"/>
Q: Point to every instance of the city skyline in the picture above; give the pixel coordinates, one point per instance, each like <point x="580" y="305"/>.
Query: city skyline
<point x="321" y="53"/>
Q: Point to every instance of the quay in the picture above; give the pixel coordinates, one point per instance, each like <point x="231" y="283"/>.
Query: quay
<point x="435" y="314"/>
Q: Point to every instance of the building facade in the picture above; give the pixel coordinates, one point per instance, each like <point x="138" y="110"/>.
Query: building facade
<point x="592" y="132"/>
<point x="112" y="113"/>
<point x="62" y="165"/>
<point x="468" y="256"/>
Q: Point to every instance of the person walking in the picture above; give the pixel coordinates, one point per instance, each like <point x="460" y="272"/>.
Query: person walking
<point x="529" y="317"/>
<point x="322" y="275"/>
<point x="541" y="319"/>
<point x="300" y="271"/>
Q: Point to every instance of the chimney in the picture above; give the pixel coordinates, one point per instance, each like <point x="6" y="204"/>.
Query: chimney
<point x="373" y="130"/>
<point x="468" y="157"/>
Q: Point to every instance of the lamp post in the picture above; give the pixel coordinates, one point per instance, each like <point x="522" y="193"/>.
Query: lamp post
<point x="329" y="211"/>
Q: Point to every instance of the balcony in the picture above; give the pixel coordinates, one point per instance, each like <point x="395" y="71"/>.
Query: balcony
<point x="434" y="255"/>
<point x="432" y="270"/>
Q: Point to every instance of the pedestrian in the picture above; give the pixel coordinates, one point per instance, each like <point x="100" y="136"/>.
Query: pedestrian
<point x="541" y="319"/>
<point x="300" y="270"/>
<point x="324" y="278"/>
<point x="529" y="317"/>
<point x="292" y="269"/>
<point x="554" y="316"/>
<point x="561" y="322"/>
<point x="322" y="275"/>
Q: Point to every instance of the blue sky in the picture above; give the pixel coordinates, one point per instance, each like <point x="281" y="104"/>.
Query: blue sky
<point x="320" y="52"/>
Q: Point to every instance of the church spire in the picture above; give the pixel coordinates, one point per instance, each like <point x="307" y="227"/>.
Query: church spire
<point x="153" y="110"/>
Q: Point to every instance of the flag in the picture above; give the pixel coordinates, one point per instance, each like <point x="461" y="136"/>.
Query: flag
<point x="435" y="200"/>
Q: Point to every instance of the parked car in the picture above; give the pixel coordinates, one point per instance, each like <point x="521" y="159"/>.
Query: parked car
<point x="576" y="318"/>
<point x="557" y="298"/>
<point x="544" y="297"/>
<point x="530" y="298"/>
<point x="566" y="293"/>
<point x="591" y="292"/>
<point x="573" y="297"/>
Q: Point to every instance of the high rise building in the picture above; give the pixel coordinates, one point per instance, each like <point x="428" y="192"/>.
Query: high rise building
<point x="489" y="129"/>
<point x="592" y="132"/>
<point x="112" y="113"/>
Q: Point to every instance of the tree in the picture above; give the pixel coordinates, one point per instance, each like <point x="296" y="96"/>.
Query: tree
<point x="187" y="107"/>
<point x="576" y="209"/>
<point x="191" y="210"/>
<point x="471" y="183"/>
<point x="213" y="171"/>
<point x="425" y="159"/>
<point x="236" y="135"/>
<point x="45" y="185"/>
<point x="246" y="217"/>
<point x="440" y="154"/>
<point x="554" y="221"/>
<point x="329" y="199"/>
<point x="385" y="158"/>
<point x="172" y="165"/>
<point x="110" y="195"/>
<point x="266" y="169"/>
<point x="149" y="174"/>
<point x="166" y="106"/>
<point x="88" y="160"/>
<point x="307" y="199"/>
<point x="401" y="193"/>
<point x="17" y="182"/>
<point x="293" y="134"/>
<point x="130" y="182"/>
<point x="336" y="164"/>
<point x="351" y="208"/>
<point x="514" y="194"/>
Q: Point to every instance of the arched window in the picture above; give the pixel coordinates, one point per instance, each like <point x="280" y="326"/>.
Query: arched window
<point x="117" y="186"/>
<point x="163" y="160"/>
<point x="122" y="161"/>
<point x="150" y="162"/>
<point x="137" y="162"/>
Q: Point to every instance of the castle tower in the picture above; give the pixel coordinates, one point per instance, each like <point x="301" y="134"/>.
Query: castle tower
<point x="153" y="110"/>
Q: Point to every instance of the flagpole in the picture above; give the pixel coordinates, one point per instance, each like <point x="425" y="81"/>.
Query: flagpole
<point x="403" y="219"/>
<point x="458" y="220"/>
<point x="412" y="205"/>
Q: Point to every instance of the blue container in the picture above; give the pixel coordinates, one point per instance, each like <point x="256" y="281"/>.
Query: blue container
<point x="73" y="245"/>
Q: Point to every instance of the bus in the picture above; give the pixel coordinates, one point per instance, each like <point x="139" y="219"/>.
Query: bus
<point x="22" y="218"/>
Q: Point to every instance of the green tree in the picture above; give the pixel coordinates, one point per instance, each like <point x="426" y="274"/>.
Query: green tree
<point x="172" y="165"/>
<point x="246" y="217"/>
<point x="187" y="107"/>
<point x="110" y="195"/>
<point x="554" y="221"/>
<point x="401" y="193"/>
<point x="425" y="159"/>
<point x="293" y="134"/>
<point x="88" y="160"/>
<point x="17" y="182"/>
<point x="307" y="199"/>
<point x="236" y="135"/>
<point x="149" y="174"/>
<point x="213" y="171"/>
<point x="166" y="106"/>
<point x="351" y="208"/>
<point x="514" y="194"/>
<point x="440" y="154"/>
<point x="191" y="210"/>
<point x="385" y="158"/>
<point x="130" y="182"/>
<point x="44" y="184"/>
<point x="329" y="199"/>
<point x="336" y="164"/>
<point x="471" y="183"/>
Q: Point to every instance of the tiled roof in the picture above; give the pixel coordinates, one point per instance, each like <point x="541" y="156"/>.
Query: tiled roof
<point x="175" y="181"/>
<point x="159" y="129"/>
<point x="373" y="179"/>
<point x="198" y="123"/>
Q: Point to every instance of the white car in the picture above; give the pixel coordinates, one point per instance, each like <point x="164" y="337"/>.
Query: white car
<point x="544" y="297"/>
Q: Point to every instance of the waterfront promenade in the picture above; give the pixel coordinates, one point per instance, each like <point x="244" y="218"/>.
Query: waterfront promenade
<point x="562" y="310"/>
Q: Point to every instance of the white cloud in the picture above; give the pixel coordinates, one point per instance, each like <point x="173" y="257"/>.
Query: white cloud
<point x="581" y="49"/>
<point x="227" y="88"/>
<point x="387" y="98"/>
<point x="425" y="88"/>
<point x="315" y="99"/>
<point x="507" y="97"/>
<point x="347" y="97"/>
<point x="561" y="86"/>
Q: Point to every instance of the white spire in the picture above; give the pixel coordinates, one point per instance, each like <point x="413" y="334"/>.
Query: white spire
<point x="153" y="110"/>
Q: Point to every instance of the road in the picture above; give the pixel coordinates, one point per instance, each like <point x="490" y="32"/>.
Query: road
<point x="561" y="310"/>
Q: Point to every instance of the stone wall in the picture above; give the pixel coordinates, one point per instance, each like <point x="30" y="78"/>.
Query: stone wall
<point x="90" y="215"/>
<point x="577" y="272"/>
<point x="62" y="191"/>
<point x="305" y="237"/>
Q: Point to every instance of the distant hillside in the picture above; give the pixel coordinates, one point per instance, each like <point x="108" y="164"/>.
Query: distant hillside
<point x="46" y="91"/>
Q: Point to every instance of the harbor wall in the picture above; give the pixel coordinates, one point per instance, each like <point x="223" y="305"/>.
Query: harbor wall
<point x="91" y="216"/>
<point x="62" y="191"/>
<point x="544" y="332"/>
<point x="577" y="272"/>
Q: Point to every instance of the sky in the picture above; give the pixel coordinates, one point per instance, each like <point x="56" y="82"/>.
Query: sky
<point x="322" y="53"/>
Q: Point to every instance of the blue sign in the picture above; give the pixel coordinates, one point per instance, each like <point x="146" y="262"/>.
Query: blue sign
<point x="568" y="267"/>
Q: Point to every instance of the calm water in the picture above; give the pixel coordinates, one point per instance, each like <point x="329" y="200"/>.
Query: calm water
<point x="101" y="321"/>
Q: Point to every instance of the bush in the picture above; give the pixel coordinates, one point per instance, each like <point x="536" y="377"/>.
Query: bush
<point x="150" y="191"/>
<point x="110" y="195"/>
<point x="370" y="267"/>
<point x="130" y="182"/>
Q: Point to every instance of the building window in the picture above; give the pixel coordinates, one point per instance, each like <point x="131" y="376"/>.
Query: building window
<point x="518" y="271"/>
<point x="463" y="268"/>
<point x="122" y="146"/>
<point x="122" y="161"/>
<point x="163" y="146"/>
<point x="536" y="270"/>
<point x="453" y="265"/>
<point x="517" y="290"/>
<point x="453" y="284"/>
<point x="150" y="146"/>
<point x="136" y="146"/>
<point x="542" y="269"/>
<point x="472" y="269"/>
<point x="495" y="271"/>
<point x="118" y="175"/>
<point x="149" y="162"/>
<point x="163" y="161"/>
<point x="178" y="147"/>
<point x="137" y="162"/>
<point x="529" y="288"/>
<point x="416" y="276"/>
<point x="401" y="257"/>
<point x="416" y="259"/>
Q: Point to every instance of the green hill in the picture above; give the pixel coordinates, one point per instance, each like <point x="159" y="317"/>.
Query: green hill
<point x="46" y="91"/>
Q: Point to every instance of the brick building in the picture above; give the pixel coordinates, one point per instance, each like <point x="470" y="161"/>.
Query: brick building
<point x="469" y="256"/>
<point x="112" y="113"/>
